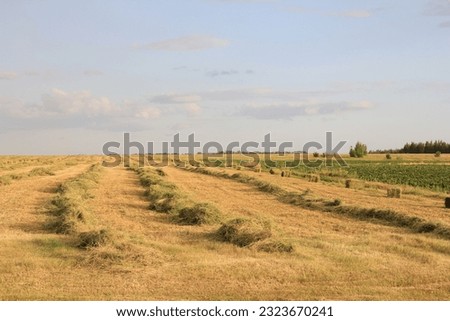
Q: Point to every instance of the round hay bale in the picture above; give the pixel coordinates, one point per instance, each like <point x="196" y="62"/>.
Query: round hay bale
<point x="447" y="202"/>
<point x="394" y="193"/>
<point x="348" y="183"/>
<point x="243" y="232"/>
<point x="201" y="213"/>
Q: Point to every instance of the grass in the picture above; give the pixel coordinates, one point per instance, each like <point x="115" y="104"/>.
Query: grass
<point x="334" y="256"/>
<point x="304" y="200"/>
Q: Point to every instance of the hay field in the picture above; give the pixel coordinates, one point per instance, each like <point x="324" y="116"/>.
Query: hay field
<point x="71" y="229"/>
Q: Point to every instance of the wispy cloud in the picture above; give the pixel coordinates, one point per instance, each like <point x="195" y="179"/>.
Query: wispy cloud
<point x="217" y="73"/>
<point x="437" y="8"/>
<point x="8" y="75"/>
<point x="93" y="73"/>
<point x="176" y="98"/>
<point x="354" y="13"/>
<point x="189" y="102"/>
<point x="187" y="43"/>
<point x="445" y="24"/>
<point x="288" y="111"/>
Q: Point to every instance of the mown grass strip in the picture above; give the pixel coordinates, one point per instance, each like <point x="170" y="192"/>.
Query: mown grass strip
<point x="38" y="171"/>
<point x="70" y="214"/>
<point x="304" y="200"/>
<point x="165" y="197"/>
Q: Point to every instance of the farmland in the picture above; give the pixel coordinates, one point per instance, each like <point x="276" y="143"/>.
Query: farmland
<point x="71" y="229"/>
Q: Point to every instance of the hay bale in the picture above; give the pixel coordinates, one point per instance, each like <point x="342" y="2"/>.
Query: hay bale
<point x="314" y="178"/>
<point x="243" y="232"/>
<point x="394" y="193"/>
<point x="93" y="239"/>
<point x="274" y="171"/>
<point x="348" y="183"/>
<point x="201" y="213"/>
<point x="285" y="173"/>
<point x="274" y="246"/>
<point x="447" y="202"/>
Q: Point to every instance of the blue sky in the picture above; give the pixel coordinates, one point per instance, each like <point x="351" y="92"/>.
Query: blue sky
<point x="76" y="74"/>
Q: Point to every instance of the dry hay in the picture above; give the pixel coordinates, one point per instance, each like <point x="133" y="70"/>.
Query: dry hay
<point x="394" y="193"/>
<point x="244" y="232"/>
<point x="199" y="214"/>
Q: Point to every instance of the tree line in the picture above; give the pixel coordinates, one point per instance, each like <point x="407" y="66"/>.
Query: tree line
<point x="429" y="147"/>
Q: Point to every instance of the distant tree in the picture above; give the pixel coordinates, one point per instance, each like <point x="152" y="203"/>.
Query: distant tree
<point x="352" y="152"/>
<point x="437" y="154"/>
<point x="360" y="150"/>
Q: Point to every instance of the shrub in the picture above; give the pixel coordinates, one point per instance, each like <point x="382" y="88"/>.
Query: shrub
<point x="243" y="232"/>
<point x="388" y="156"/>
<point x="437" y="154"/>
<point x="93" y="239"/>
<point x="316" y="154"/>
<point x="202" y="213"/>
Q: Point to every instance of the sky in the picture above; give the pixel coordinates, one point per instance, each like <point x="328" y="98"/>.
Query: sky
<point x="75" y="75"/>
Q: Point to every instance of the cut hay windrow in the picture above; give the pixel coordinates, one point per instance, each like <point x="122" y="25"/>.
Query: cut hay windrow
<point x="165" y="197"/>
<point x="304" y="200"/>
<point x="70" y="213"/>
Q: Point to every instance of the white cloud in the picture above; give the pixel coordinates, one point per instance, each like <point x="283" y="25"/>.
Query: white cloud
<point x="8" y="75"/>
<point x="148" y="113"/>
<point x="60" y="102"/>
<point x="187" y="43"/>
<point x="176" y="98"/>
<point x="79" y="109"/>
<point x="192" y="108"/>
<point x="290" y="110"/>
